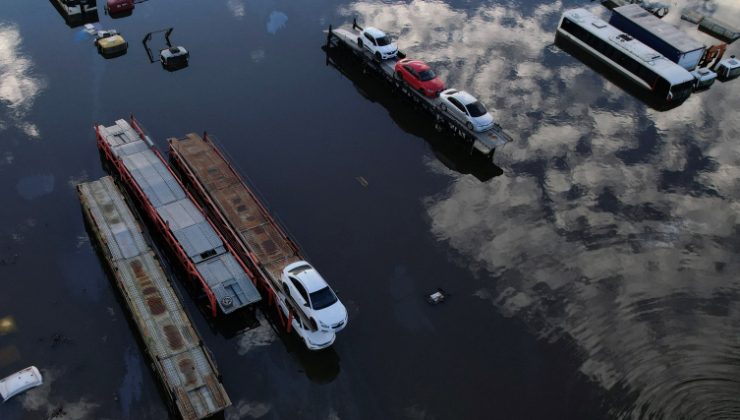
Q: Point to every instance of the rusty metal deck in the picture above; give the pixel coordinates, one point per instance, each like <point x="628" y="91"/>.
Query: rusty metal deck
<point x="182" y="362"/>
<point x="239" y="206"/>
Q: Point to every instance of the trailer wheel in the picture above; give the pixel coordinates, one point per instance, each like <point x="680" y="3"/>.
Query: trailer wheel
<point x="359" y="42"/>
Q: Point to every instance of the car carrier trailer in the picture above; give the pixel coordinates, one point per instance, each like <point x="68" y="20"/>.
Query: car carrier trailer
<point x="483" y="142"/>
<point x="247" y="224"/>
<point x="176" y="351"/>
<point x="205" y="257"/>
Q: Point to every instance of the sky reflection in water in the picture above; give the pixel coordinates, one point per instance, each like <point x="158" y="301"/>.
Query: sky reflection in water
<point x="614" y="225"/>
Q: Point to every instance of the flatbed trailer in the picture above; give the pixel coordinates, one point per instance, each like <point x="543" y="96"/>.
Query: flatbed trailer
<point x="247" y="224"/>
<point x="483" y="142"/>
<point x="201" y="251"/>
<point x="178" y="356"/>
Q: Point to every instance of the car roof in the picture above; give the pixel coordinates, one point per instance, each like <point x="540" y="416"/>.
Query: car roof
<point x="464" y="97"/>
<point x="374" y="32"/>
<point x="417" y="65"/>
<point x="309" y="277"/>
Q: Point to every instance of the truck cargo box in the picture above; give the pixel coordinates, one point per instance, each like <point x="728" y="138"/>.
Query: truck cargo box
<point x="663" y="37"/>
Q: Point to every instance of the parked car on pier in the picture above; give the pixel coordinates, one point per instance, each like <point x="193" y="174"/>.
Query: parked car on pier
<point x="420" y="76"/>
<point x="378" y="43"/>
<point x="466" y="109"/>
<point x="314" y="296"/>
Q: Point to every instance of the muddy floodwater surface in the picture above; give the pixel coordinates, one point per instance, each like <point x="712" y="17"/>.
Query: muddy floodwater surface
<point x="591" y="272"/>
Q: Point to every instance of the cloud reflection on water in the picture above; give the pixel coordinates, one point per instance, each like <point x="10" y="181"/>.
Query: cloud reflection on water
<point x="18" y="85"/>
<point x="614" y="227"/>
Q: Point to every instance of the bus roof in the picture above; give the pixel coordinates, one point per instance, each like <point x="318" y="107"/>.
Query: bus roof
<point x="663" y="30"/>
<point x="662" y="66"/>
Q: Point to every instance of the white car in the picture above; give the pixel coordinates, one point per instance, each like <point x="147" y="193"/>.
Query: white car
<point x="314" y="297"/>
<point x="378" y="43"/>
<point x="466" y="109"/>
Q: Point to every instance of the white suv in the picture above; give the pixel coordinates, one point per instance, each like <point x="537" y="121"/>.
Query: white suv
<point x="314" y="296"/>
<point x="378" y="43"/>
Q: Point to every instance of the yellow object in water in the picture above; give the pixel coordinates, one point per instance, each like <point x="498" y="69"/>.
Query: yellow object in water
<point x="112" y="44"/>
<point x="7" y="325"/>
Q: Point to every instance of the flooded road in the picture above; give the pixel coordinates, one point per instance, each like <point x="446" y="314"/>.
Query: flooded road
<point x="592" y="270"/>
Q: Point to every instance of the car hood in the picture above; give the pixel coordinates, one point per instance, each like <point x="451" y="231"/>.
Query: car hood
<point x="388" y="48"/>
<point x="484" y="121"/>
<point x="333" y="314"/>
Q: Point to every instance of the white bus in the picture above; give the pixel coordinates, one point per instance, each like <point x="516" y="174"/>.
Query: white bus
<point x="637" y="61"/>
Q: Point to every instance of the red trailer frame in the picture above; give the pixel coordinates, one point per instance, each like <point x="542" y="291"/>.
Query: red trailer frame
<point x="161" y="226"/>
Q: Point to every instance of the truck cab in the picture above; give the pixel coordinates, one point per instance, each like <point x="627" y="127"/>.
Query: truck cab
<point x="378" y="43"/>
<point x="728" y="68"/>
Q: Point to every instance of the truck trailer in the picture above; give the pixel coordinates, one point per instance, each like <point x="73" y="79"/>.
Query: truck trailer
<point x="663" y="37"/>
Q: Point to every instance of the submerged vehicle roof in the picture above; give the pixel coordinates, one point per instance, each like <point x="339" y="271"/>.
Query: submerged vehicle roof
<point x="111" y="41"/>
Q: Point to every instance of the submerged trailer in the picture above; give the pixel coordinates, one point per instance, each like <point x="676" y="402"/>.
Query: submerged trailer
<point x="720" y="30"/>
<point x="178" y="356"/>
<point x="483" y="142"/>
<point x="206" y="258"/>
<point x="247" y="224"/>
<point x="663" y="37"/>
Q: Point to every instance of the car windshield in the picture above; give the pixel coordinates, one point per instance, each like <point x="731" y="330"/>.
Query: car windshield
<point x="476" y="109"/>
<point x="322" y="298"/>
<point x="383" y="41"/>
<point x="427" y="75"/>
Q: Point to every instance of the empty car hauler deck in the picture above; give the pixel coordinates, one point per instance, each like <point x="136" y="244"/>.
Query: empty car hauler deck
<point x="247" y="224"/>
<point x="661" y="36"/>
<point x="178" y="357"/>
<point x="202" y="253"/>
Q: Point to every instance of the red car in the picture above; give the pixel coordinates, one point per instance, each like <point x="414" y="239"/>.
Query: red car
<point x="119" y="6"/>
<point x="419" y="76"/>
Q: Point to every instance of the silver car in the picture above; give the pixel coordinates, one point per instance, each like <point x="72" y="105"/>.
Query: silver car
<point x="465" y="108"/>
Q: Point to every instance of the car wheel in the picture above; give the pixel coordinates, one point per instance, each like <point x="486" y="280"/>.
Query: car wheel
<point x="442" y="107"/>
<point x="398" y="76"/>
<point x="469" y="125"/>
<point x="359" y="42"/>
<point x="377" y="56"/>
<point x="285" y="289"/>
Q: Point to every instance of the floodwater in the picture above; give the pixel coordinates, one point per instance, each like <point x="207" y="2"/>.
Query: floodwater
<point x="592" y="271"/>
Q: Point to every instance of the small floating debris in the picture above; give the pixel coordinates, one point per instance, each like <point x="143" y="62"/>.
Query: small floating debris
<point x="362" y="181"/>
<point x="19" y="382"/>
<point x="437" y="297"/>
